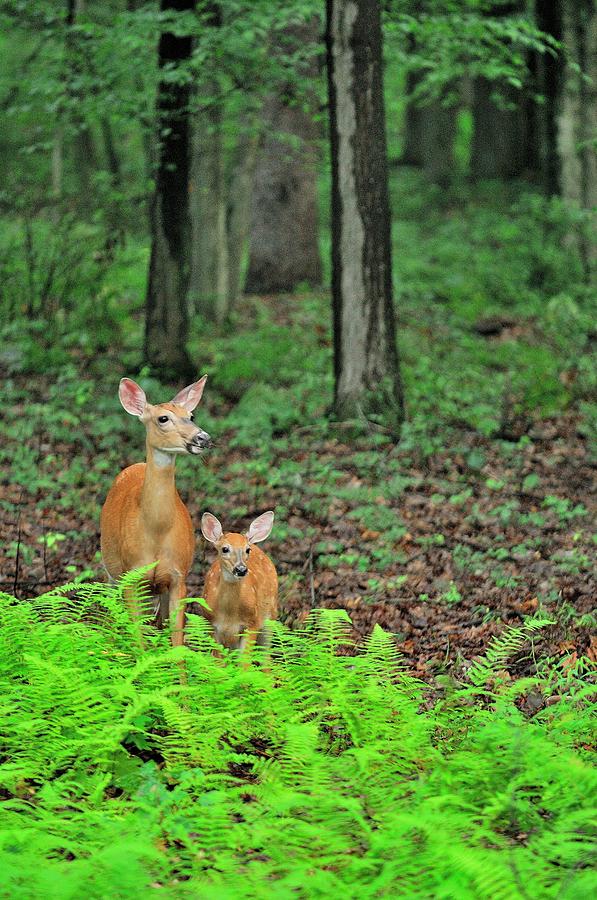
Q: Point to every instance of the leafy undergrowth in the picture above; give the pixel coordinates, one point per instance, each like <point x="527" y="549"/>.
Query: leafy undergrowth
<point x="318" y="774"/>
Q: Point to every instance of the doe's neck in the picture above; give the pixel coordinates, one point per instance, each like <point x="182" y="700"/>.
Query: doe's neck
<point x="158" y="496"/>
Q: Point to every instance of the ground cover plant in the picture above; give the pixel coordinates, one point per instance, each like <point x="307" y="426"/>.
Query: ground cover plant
<point x="126" y="769"/>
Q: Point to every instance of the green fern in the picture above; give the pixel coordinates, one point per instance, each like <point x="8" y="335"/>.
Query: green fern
<point x="314" y="774"/>
<point x="503" y="648"/>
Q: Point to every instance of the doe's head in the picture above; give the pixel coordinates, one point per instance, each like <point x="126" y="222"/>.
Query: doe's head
<point x="234" y="550"/>
<point x="170" y="426"/>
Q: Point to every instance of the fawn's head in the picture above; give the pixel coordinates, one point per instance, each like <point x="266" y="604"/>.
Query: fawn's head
<point x="170" y="427"/>
<point x="234" y="550"/>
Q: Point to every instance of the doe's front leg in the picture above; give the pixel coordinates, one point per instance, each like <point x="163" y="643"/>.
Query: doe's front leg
<point x="177" y="610"/>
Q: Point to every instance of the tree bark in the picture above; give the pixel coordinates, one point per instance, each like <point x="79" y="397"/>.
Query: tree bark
<point x="116" y="234"/>
<point x="284" y="238"/>
<point x="549" y="75"/>
<point x="208" y="288"/>
<point x="500" y="139"/>
<point x="429" y="134"/>
<point x="166" y="304"/>
<point x="503" y="145"/>
<point x="84" y="152"/>
<point x="438" y="131"/>
<point x="239" y="209"/>
<point x="367" y="375"/>
<point x="412" y="150"/>
<point x="577" y="125"/>
<point x="568" y="117"/>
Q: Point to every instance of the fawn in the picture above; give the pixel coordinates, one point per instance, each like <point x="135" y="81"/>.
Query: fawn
<point x="241" y="587"/>
<point x="143" y="519"/>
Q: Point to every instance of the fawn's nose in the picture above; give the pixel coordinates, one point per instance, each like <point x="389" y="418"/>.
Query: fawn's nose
<point x="240" y="571"/>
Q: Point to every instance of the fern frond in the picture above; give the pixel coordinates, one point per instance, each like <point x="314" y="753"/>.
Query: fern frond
<point x="503" y="648"/>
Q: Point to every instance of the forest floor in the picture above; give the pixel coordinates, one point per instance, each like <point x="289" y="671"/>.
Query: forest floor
<point x="443" y="552"/>
<point x="482" y="514"/>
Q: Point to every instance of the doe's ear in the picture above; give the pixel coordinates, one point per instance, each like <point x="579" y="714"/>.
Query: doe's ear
<point x="132" y="396"/>
<point x="211" y="528"/>
<point x="260" y="527"/>
<point x="190" y="396"/>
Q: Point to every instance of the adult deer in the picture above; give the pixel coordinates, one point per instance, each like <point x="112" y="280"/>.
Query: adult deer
<point x="241" y="587"/>
<point x="144" y="520"/>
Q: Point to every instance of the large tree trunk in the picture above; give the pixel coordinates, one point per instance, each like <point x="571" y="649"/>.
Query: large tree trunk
<point x="367" y="377"/>
<point x="166" y="322"/>
<point x="284" y="241"/>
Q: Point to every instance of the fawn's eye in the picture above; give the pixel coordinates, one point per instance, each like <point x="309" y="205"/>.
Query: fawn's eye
<point x="225" y="549"/>
<point x="163" y="419"/>
<point x="248" y="550"/>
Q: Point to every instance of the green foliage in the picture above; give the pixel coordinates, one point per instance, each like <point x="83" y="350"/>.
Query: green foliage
<point x="127" y="767"/>
<point x="445" y="42"/>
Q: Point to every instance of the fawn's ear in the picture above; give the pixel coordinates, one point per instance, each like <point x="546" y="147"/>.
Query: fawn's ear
<point x="132" y="396"/>
<point x="210" y="528"/>
<point x="260" y="527"/>
<point x="190" y="396"/>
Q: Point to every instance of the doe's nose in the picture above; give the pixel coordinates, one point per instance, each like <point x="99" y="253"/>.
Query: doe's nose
<point x="241" y="571"/>
<point x="202" y="439"/>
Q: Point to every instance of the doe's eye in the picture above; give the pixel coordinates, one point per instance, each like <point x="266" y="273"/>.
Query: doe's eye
<point x="163" y="419"/>
<point x="225" y="549"/>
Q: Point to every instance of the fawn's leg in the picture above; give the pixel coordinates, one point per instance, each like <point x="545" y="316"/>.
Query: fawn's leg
<point x="245" y="645"/>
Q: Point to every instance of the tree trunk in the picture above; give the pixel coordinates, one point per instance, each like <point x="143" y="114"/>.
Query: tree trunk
<point x="500" y="140"/>
<point x="549" y="75"/>
<point x="57" y="163"/>
<point x="438" y="130"/>
<point x="85" y="156"/>
<point x="412" y="150"/>
<point x="239" y="209"/>
<point x="284" y="242"/>
<point x="208" y="288"/>
<point x="503" y="144"/>
<point x="429" y="129"/>
<point x="577" y="125"/>
<point x="115" y="227"/>
<point x="367" y="377"/>
<point x="166" y="305"/>
<point x="569" y="114"/>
